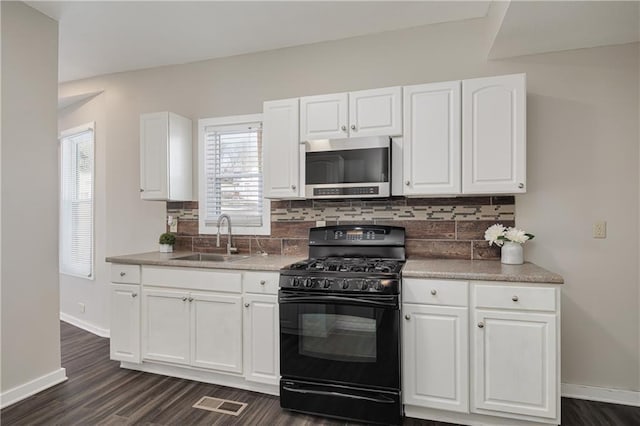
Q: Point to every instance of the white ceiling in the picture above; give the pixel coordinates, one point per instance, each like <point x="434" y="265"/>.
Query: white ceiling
<point x="531" y="27"/>
<point x="105" y="37"/>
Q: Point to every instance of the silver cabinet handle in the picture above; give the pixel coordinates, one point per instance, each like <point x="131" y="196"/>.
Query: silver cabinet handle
<point x="184" y="299"/>
<point x="407" y="183"/>
<point x="134" y="294"/>
<point x="343" y="128"/>
<point x="122" y="274"/>
<point x="480" y="324"/>
<point x="515" y="298"/>
<point x="434" y="292"/>
<point x="521" y="185"/>
<point x="407" y="317"/>
<point x="293" y="187"/>
<point x="353" y="127"/>
<point x="191" y="299"/>
<point x="141" y="190"/>
<point x="246" y="305"/>
<point x="263" y="282"/>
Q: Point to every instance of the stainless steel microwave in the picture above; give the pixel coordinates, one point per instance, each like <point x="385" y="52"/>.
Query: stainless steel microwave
<point x="348" y="168"/>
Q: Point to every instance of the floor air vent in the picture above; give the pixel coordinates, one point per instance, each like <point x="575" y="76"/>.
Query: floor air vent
<point x="223" y="406"/>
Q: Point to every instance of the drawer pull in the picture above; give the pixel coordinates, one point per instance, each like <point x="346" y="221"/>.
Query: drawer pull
<point x="184" y="299"/>
<point x="480" y="324"/>
<point x="407" y="317"/>
<point x="191" y="299"/>
<point x="515" y="298"/>
<point x="434" y="292"/>
<point x="263" y="282"/>
<point x="122" y="274"/>
<point x="246" y="305"/>
<point x="134" y="294"/>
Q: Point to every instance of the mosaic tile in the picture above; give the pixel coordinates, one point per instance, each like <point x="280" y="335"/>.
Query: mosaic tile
<point x="430" y="249"/>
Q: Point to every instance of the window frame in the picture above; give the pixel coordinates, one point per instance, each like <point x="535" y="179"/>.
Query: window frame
<point x="65" y="134"/>
<point x="203" y="228"/>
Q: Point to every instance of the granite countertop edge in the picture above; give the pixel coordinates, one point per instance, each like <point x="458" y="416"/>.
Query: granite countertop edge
<point x="251" y="263"/>
<point x="453" y="269"/>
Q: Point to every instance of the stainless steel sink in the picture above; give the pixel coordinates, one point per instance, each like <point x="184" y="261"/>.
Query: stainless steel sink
<point x="212" y="257"/>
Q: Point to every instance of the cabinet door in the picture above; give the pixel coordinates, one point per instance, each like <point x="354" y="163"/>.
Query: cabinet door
<point x="515" y="363"/>
<point x="324" y="117"/>
<point x="376" y="112"/>
<point x="154" y="146"/>
<point x="125" y="323"/>
<point x="281" y="149"/>
<point x="435" y="352"/>
<point x="261" y="338"/>
<point x="165" y="325"/>
<point x="216" y="332"/>
<point x="431" y="144"/>
<point x="494" y="135"/>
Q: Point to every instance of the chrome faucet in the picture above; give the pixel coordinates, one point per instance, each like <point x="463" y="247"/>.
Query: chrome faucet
<point x="230" y="248"/>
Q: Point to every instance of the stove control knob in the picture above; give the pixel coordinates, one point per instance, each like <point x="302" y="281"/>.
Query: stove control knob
<point x="308" y="282"/>
<point x="364" y="285"/>
<point x="295" y="282"/>
<point x="379" y="286"/>
<point x="345" y="284"/>
<point x="326" y="283"/>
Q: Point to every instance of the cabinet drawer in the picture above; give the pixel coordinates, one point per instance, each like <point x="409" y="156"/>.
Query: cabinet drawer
<point x="515" y="297"/>
<point x="261" y="282"/>
<point x="435" y="292"/>
<point x="193" y="279"/>
<point x="125" y="274"/>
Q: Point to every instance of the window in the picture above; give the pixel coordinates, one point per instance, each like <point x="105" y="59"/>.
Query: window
<point x="231" y="182"/>
<point x="76" y="201"/>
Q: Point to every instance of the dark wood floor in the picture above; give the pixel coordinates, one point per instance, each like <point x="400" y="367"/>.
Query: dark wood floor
<point x="100" y="392"/>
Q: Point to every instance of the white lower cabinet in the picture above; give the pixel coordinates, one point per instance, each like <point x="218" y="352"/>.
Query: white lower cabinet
<point x="515" y="363"/>
<point x="261" y="338"/>
<point x="435" y="361"/>
<point x="165" y="325"/>
<point x="125" y="323"/>
<point x="198" y="329"/>
<point x="216" y="331"/>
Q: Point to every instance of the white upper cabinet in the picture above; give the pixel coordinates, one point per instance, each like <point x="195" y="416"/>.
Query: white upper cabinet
<point x="376" y="112"/>
<point x="494" y="135"/>
<point x="431" y="162"/>
<point x="324" y="117"/>
<point x="282" y="152"/>
<point x="165" y="157"/>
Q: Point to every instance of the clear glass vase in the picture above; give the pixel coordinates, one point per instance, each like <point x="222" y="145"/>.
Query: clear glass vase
<point x="512" y="253"/>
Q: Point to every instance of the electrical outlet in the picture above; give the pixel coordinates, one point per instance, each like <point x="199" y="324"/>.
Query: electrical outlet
<point x="321" y="223"/>
<point x="600" y="229"/>
<point x="81" y="307"/>
<point x="174" y="226"/>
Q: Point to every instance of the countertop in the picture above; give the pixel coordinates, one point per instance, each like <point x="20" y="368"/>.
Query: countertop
<point x="478" y="270"/>
<point x="251" y="263"/>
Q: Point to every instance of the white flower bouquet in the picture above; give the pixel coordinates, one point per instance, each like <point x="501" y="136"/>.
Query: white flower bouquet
<point x="499" y="234"/>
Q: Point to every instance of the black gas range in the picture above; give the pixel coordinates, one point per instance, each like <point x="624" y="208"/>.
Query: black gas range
<point x="340" y="325"/>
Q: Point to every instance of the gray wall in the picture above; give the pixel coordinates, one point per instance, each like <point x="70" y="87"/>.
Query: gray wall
<point x="30" y="300"/>
<point x="582" y="157"/>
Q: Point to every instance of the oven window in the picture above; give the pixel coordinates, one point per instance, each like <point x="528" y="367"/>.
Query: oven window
<point x="347" y="166"/>
<point x="338" y="337"/>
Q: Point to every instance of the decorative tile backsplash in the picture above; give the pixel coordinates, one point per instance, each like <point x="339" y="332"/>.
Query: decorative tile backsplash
<point x="450" y="228"/>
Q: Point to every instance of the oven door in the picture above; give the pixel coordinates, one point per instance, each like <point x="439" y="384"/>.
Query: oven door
<point x="340" y="338"/>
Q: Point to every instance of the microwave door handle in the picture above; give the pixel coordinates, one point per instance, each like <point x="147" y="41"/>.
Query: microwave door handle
<point x="339" y="300"/>
<point x="382" y="399"/>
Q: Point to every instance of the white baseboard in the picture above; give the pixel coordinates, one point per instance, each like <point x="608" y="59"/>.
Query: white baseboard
<point x="87" y="326"/>
<point x="592" y="393"/>
<point x="34" y="386"/>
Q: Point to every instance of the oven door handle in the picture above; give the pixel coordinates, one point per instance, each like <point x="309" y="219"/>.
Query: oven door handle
<point x="341" y="300"/>
<point x="381" y="399"/>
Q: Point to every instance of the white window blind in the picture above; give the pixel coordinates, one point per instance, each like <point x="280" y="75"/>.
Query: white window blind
<point x="233" y="172"/>
<point x="76" y="202"/>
